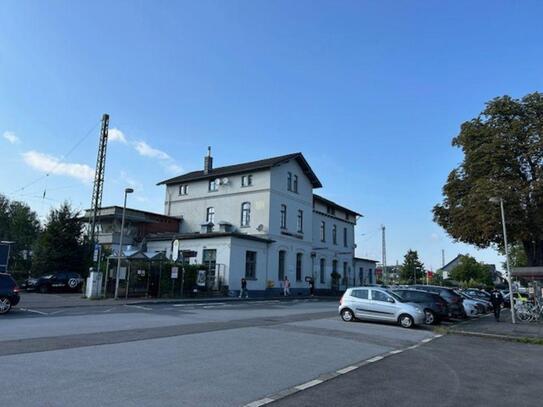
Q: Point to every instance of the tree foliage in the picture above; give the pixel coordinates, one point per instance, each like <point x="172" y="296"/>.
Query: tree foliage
<point x="412" y="268"/>
<point x="470" y="272"/>
<point x="61" y="246"/>
<point x="18" y="223"/>
<point x="503" y="157"/>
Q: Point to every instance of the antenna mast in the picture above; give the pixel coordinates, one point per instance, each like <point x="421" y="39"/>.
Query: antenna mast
<point x="98" y="187"/>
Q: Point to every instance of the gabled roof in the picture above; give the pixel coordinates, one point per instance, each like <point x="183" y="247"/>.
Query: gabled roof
<point x="332" y="203"/>
<point x="244" y="167"/>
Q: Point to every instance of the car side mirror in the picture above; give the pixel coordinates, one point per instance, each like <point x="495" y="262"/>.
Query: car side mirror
<point x="391" y="300"/>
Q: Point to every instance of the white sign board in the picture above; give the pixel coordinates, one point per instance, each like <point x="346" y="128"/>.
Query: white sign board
<point x="175" y="250"/>
<point x="175" y="272"/>
<point x="122" y="273"/>
<point x="201" y="279"/>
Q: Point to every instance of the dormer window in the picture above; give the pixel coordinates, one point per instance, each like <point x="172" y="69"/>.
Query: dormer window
<point x="247" y="180"/>
<point x="183" y="189"/>
<point x="213" y="187"/>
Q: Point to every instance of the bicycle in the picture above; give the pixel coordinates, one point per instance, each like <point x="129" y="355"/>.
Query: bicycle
<point x="529" y="311"/>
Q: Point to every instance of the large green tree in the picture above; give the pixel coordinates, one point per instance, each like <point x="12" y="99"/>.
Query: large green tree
<point x="20" y="224"/>
<point x="412" y="268"/>
<point x="61" y="246"/>
<point x="470" y="272"/>
<point x="503" y="157"/>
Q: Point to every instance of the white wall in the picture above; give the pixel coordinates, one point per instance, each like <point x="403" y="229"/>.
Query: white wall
<point x="227" y="202"/>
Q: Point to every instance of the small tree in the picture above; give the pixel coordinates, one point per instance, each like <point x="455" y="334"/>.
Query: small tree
<point x="412" y="268"/>
<point x="470" y="272"/>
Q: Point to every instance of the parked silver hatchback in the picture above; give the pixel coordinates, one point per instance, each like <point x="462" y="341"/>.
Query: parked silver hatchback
<point x="379" y="304"/>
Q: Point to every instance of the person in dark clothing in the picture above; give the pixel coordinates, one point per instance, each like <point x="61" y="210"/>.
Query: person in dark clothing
<point x="496" y="299"/>
<point x="243" y="290"/>
<point x="311" y="287"/>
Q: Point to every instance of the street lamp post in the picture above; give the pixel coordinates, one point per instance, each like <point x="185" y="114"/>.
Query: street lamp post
<point x="500" y="201"/>
<point x="126" y="192"/>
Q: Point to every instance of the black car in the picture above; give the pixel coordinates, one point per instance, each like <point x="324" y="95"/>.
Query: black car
<point x="435" y="308"/>
<point x="62" y="281"/>
<point x="9" y="293"/>
<point x="454" y="300"/>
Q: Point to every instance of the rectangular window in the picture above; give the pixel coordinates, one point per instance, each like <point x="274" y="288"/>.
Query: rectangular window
<point x="246" y="180"/>
<point x="183" y="189"/>
<point x="299" y="258"/>
<point x="250" y="264"/>
<point x="289" y="181"/>
<point x="330" y="210"/>
<point x="300" y="221"/>
<point x="245" y="214"/>
<point x="283" y="216"/>
<point x="345" y="272"/>
<point x="323" y="270"/>
<point x="295" y="184"/>
<point x="213" y="186"/>
<point x="323" y="231"/>
<point x="281" y="268"/>
<point x="334" y="234"/>
<point x="345" y="237"/>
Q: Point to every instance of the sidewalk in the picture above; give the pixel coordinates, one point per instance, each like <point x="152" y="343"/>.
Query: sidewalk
<point x="488" y="327"/>
<point x="43" y="301"/>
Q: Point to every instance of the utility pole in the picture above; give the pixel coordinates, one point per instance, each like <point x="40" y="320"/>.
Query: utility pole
<point x="384" y="258"/>
<point x="98" y="187"/>
<point x="442" y="258"/>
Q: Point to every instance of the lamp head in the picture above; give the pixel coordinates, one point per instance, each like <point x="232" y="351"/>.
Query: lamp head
<point x="494" y="199"/>
<point x="128" y="190"/>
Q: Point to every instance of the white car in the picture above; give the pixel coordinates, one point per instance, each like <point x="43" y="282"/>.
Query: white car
<point x="470" y="307"/>
<point x="379" y="304"/>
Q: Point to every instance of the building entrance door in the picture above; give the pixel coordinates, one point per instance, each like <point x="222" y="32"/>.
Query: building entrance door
<point x="209" y="260"/>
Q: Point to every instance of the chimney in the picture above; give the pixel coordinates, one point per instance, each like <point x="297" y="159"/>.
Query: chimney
<point x="208" y="162"/>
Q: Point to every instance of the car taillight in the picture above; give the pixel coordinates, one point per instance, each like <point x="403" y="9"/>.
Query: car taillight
<point x="341" y="299"/>
<point x="16" y="289"/>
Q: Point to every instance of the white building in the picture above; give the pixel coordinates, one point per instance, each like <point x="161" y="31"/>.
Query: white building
<point x="260" y="220"/>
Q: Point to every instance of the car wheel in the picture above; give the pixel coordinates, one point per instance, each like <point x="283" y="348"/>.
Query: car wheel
<point x="429" y="317"/>
<point x="44" y="289"/>
<point x="5" y="305"/>
<point x="406" y="321"/>
<point x="347" y="315"/>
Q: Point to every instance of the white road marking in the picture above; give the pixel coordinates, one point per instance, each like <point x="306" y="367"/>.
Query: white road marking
<point x="107" y="310"/>
<point x="374" y="359"/>
<point x="260" y="402"/>
<point x="395" y="352"/>
<point x="139" y="307"/>
<point x="426" y="340"/>
<point x="34" y="311"/>
<point x="308" y="384"/>
<point x="347" y="369"/>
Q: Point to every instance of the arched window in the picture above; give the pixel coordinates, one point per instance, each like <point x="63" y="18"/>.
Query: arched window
<point x="210" y="214"/>
<point x="245" y="214"/>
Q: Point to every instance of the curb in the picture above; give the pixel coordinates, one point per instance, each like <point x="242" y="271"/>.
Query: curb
<point x="332" y="375"/>
<point x="496" y="336"/>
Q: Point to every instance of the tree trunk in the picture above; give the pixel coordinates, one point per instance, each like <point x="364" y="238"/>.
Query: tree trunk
<point x="534" y="252"/>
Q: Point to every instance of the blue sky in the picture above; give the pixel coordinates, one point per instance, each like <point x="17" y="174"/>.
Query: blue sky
<point x="370" y="92"/>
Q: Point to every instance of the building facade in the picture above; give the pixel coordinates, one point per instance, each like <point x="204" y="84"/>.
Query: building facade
<point x="260" y="221"/>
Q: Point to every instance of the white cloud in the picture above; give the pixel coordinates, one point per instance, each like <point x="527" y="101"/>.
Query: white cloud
<point x="11" y="137"/>
<point x="52" y="165"/>
<point x="146" y="150"/>
<point x="116" y="135"/>
<point x="174" y="168"/>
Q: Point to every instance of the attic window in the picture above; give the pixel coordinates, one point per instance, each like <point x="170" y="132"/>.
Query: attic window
<point x="183" y="189"/>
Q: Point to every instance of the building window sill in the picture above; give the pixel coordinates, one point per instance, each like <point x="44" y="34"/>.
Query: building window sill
<point x="245" y="226"/>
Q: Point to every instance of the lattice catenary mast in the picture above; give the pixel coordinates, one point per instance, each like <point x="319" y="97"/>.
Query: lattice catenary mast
<point x="98" y="187"/>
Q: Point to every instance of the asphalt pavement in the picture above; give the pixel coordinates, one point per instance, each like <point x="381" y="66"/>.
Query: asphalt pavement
<point x="453" y="370"/>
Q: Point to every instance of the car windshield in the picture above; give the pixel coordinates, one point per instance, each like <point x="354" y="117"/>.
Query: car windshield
<point x="396" y="296"/>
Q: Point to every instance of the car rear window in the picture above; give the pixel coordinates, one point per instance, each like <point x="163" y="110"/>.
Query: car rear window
<point x="362" y="294"/>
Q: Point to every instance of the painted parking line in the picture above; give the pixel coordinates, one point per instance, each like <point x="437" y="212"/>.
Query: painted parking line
<point x="261" y="402"/>
<point x="309" y="384"/>
<point x="347" y="369"/>
<point x="139" y="307"/>
<point x="34" y="311"/>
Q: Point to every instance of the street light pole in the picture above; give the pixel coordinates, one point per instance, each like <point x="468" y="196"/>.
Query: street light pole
<point x="511" y="299"/>
<point x="126" y="192"/>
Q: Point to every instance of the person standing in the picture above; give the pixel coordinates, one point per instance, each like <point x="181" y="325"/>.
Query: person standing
<point x="311" y="287"/>
<point x="286" y="286"/>
<point x="496" y="299"/>
<point x="243" y="290"/>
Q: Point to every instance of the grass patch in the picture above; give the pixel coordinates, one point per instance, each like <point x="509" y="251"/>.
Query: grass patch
<point x="531" y="341"/>
<point x="440" y="330"/>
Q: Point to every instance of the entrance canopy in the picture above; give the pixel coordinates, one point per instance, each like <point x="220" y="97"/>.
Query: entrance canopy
<point x="139" y="255"/>
<point x="528" y="273"/>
